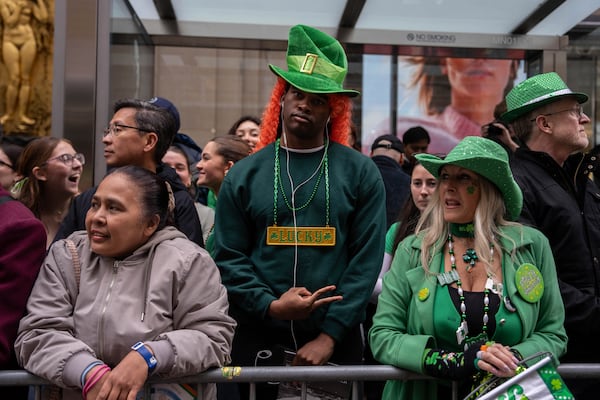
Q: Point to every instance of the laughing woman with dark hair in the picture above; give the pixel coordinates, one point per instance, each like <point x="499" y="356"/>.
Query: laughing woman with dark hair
<point x="148" y="300"/>
<point x="50" y="171"/>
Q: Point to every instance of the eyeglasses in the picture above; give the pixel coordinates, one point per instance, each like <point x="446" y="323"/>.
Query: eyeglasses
<point x="7" y="165"/>
<point x="578" y="110"/>
<point x="67" y="159"/>
<point x="117" y="129"/>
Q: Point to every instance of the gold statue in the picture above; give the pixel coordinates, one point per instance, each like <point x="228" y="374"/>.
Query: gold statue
<point x="19" y="50"/>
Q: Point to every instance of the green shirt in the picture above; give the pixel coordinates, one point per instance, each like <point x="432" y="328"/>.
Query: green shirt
<point x="389" y="238"/>
<point x="256" y="274"/>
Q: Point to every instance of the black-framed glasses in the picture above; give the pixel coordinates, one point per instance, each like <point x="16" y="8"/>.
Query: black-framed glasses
<point x="117" y="129"/>
<point x="67" y="159"/>
<point x="578" y="110"/>
<point x="7" y="165"/>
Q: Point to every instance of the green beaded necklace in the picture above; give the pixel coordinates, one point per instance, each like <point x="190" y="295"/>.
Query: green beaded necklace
<point x="462" y="332"/>
<point x="277" y="184"/>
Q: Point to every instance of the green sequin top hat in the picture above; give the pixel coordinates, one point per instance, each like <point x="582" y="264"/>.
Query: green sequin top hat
<point x="316" y="62"/>
<point x="486" y="158"/>
<point x="535" y="92"/>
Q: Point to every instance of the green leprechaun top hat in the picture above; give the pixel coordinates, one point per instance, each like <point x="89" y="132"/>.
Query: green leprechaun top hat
<point x="316" y="62"/>
<point x="535" y="92"/>
<point x="486" y="158"/>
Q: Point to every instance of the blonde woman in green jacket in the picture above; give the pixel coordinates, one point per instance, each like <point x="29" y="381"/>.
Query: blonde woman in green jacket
<point x="470" y="293"/>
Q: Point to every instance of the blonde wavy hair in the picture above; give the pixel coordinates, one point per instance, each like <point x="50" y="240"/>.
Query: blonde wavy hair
<point x="488" y="220"/>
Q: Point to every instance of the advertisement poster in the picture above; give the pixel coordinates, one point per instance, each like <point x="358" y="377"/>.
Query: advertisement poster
<point x="451" y="97"/>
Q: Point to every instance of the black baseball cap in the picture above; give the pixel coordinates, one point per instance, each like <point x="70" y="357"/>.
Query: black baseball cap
<point x="390" y="142"/>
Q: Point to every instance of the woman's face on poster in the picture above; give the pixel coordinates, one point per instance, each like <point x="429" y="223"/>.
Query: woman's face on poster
<point x="473" y="77"/>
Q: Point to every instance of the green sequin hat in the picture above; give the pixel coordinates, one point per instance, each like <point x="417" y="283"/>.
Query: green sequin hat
<point x="486" y="158"/>
<point x="316" y="62"/>
<point x="535" y="92"/>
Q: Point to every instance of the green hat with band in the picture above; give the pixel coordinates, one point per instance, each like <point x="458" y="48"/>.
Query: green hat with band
<point x="486" y="158"/>
<point x="316" y="62"/>
<point x="535" y="92"/>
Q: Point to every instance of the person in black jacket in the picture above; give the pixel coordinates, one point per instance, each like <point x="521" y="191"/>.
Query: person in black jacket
<point x="387" y="152"/>
<point x="548" y="119"/>
<point x="139" y="133"/>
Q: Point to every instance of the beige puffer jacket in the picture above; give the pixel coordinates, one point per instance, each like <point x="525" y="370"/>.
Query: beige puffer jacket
<point x="168" y="293"/>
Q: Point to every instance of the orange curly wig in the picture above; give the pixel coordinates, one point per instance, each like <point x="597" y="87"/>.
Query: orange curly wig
<point x="341" y="117"/>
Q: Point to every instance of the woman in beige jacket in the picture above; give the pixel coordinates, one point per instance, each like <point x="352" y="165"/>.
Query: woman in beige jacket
<point x="149" y="301"/>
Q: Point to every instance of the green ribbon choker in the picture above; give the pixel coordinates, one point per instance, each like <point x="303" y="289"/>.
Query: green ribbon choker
<point x="462" y="230"/>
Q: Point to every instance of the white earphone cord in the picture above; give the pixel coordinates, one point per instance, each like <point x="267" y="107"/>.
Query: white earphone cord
<point x="293" y="201"/>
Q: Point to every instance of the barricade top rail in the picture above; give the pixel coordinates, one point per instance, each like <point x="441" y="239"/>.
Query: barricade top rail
<point x="298" y="373"/>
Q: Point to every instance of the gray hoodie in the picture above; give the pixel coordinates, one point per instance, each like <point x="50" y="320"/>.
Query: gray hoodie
<point x="168" y="293"/>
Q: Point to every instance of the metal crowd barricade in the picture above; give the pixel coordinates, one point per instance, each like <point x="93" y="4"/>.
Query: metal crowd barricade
<point x="356" y="374"/>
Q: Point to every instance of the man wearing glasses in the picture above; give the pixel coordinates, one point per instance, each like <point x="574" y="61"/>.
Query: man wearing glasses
<point x="139" y="133"/>
<point x="562" y="202"/>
